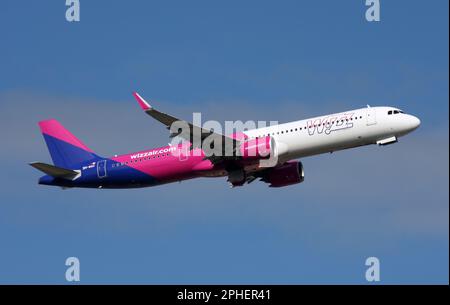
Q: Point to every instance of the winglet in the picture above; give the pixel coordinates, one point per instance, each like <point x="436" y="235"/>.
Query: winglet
<point x="144" y="105"/>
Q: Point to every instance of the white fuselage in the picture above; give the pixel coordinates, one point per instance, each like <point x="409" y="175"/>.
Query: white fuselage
<point x="328" y="133"/>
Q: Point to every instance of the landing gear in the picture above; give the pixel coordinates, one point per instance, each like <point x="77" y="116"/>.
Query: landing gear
<point x="236" y="177"/>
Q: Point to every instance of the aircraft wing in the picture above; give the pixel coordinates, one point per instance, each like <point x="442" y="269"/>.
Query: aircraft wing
<point x="194" y="134"/>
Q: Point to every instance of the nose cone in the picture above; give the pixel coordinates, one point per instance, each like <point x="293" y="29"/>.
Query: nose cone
<point x="414" y="122"/>
<point x="405" y="124"/>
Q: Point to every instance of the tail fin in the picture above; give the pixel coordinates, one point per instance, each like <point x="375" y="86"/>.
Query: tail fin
<point x="65" y="149"/>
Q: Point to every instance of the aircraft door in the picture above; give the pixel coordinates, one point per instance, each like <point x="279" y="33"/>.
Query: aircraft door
<point x="371" y="116"/>
<point x="101" y="169"/>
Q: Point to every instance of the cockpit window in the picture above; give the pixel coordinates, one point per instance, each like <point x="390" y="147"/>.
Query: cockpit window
<point x="395" y="111"/>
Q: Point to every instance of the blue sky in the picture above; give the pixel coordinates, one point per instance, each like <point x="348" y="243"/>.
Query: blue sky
<point x="259" y="60"/>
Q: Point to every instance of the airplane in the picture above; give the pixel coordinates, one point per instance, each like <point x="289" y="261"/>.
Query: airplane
<point x="240" y="159"/>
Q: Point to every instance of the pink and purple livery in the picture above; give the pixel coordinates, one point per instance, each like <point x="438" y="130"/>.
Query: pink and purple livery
<point x="267" y="153"/>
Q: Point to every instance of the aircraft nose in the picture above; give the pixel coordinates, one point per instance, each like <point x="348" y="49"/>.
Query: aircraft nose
<point x="415" y="122"/>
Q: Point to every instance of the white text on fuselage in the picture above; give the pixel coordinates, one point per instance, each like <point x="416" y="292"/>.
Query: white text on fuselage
<point x="153" y="152"/>
<point x="330" y="123"/>
<point x="91" y="165"/>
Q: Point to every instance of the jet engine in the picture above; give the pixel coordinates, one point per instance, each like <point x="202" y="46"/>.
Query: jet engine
<point x="283" y="175"/>
<point x="264" y="148"/>
<point x="257" y="148"/>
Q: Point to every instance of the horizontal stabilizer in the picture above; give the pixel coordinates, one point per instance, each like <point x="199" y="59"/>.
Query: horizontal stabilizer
<point x="54" y="171"/>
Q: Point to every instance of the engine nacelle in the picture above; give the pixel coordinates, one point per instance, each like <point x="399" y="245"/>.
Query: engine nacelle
<point x="264" y="148"/>
<point x="286" y="174"/>
<point x="258" y="148"/>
